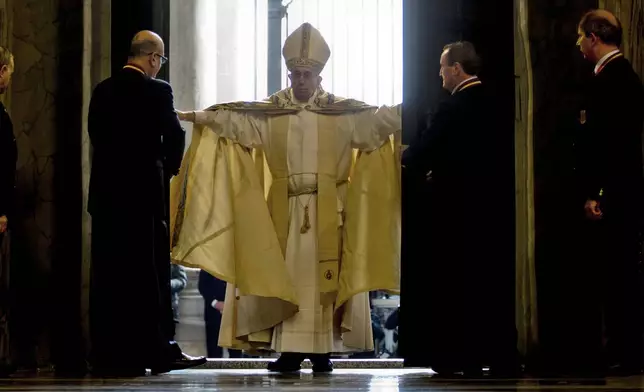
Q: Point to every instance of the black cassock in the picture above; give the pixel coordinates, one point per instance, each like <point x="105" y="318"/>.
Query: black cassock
<point x="457" y="299"/>
<point x="137" y="145"/>
<point x="8" y="158"/>
<point x="590" y="282"/>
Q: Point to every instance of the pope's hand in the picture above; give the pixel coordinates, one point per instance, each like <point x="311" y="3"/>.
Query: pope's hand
<point x="184" y="116"/>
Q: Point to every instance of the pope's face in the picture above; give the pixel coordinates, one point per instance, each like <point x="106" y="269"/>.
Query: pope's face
<point x="304" y="82"/>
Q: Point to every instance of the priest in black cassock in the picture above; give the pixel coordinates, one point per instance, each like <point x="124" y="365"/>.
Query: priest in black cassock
<point x="449" y="205"/>
<point x="595" y="318"/>
<point x="138" y="145"/>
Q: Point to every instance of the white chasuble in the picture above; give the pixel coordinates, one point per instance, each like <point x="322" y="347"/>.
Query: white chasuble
<point x="317" y="327"/>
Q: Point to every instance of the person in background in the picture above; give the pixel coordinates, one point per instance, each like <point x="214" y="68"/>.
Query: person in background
<point x="8" y="159"/>
<point x="178" y="282"/>
<point x="213" y="291"/>
<point x="596" y="312"/>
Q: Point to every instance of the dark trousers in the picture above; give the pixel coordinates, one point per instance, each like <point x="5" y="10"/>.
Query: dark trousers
<point x="590" y="294"/>
<point x="612" y="248"/>
<point x="213" y="324"/>
<point x="130" y="309"/>
<point x="5" y="260"/>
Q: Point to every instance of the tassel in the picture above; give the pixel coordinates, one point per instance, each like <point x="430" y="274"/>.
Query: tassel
<point x="306" y="225"/>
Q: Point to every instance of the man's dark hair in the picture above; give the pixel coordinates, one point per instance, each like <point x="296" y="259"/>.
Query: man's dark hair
<point x="463" y="52"/>
<point x="143" y="48"/>
<point x="607" y="32"/>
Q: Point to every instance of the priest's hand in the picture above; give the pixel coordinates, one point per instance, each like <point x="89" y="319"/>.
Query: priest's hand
<point x="593" y="211"/>
<point x="3" y="223"/>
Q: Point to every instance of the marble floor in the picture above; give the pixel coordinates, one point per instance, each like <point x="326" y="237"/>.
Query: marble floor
<point x="378" y="380"/>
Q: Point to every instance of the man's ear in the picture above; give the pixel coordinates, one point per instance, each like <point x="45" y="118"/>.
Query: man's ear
<point x="458" y="67"/>
<point x="4" y="69"/>
<point x="593" y="38"/>
<point x="319" y="80"/>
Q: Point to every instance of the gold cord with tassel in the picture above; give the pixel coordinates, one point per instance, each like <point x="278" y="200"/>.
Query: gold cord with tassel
<point x="306" y="223"/>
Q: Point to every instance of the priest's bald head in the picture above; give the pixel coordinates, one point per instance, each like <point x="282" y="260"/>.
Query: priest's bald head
<point x="600" y="32"/>
<point x="305" y="53"/>
<point x="147" y="51"/>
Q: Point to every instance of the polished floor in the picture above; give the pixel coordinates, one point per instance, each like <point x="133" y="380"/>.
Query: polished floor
<point x="379" y="380"/>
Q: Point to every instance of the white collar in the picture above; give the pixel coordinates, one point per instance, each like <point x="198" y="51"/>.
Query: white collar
<point x="603" y="59"/>
<point x="462" y="83"/>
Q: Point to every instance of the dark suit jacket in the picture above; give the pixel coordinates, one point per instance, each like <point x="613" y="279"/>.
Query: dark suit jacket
<point x="609" y="143"/>
<point x="211" y="288"/>
<point x="137" y="142"/>
<point x="8" y="158"/>
<point x="457" y="145"/>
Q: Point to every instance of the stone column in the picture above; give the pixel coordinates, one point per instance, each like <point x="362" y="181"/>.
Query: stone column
<point x="631" y="14"/>
<point x="96" y="67"/>
<point x="185" y="68"/>
<point x="526" y="296"/>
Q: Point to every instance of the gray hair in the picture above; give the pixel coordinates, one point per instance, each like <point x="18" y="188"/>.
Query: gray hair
<point x="143" y="48"/>
<point x="6" y="57"/>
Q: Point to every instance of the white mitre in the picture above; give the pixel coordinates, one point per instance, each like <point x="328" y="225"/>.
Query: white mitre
<point x="306" y="47"/>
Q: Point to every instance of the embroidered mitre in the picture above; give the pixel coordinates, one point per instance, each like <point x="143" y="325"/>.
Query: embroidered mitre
<point x="306" y="47"/>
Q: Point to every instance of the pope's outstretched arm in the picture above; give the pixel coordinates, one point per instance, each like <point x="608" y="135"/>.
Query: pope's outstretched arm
<point x="373" y="127"/>
<point x="245" y="128"/>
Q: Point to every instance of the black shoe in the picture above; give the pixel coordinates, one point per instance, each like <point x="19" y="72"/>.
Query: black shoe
<point x="180" y="362"/>
<point x="321" y="363"/>
<point x="286" y="363"/>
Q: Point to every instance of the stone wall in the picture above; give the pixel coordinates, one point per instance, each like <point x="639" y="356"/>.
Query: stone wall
<point x="46" y="37"/>
<point x="559" y="74"/>
<point x="631" y="14"/>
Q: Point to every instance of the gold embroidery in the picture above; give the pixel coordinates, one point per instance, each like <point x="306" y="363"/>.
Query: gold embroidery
<point x="475" y="82"/>
<point x="135" y="68"/>
<point x="306" y="41"/>
<point x="282" y="103"/>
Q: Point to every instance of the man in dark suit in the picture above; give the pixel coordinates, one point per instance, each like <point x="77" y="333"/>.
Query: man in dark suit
<point x="213" y="291"/>
<point x="8" y="159"/>
<point x="8" y="148"/>
<point x="609" y="203"/>
<point x="138" y="145"/>
<point x="469" y="290"/>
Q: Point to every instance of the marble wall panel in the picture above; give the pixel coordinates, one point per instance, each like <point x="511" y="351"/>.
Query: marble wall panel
<point x="46" y="39"/>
